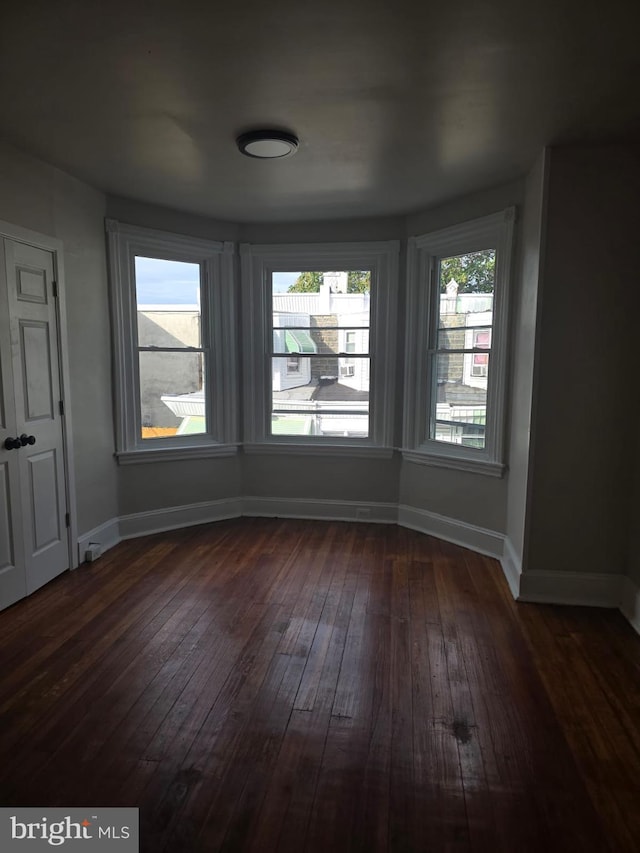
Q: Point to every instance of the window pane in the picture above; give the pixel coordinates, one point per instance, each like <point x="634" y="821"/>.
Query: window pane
<point x="172" y="400"/>
<point x="168" y="303"/>
<point x="466" y="287"/>
<point x="303" y="404"/>
<point x="460" y="407"/>
<point x="320" y="314"/>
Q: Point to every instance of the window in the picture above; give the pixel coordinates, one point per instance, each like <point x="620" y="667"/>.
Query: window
<point x="456" y="344"/>
<point x="480" y="361"/>
<point x="328" y="309"/>
<point x="174" y="330"/>
<point x="347" y="365"/>
<point x="293" y="364"/>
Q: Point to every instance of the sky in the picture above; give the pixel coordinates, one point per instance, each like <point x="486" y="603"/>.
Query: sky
<point x="160" y="282"/>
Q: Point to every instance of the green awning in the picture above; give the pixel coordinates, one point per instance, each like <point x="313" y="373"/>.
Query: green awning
<point x="298" y="341"/>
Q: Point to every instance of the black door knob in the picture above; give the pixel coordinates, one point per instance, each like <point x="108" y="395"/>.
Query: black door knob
<point x="12" y="443"/>
<point x="27" y="439"/>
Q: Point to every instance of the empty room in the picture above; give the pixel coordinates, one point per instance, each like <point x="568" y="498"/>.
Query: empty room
<point x="318" y="528"/>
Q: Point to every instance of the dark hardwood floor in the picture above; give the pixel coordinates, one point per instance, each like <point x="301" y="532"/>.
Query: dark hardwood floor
<point x="275" y="685"/>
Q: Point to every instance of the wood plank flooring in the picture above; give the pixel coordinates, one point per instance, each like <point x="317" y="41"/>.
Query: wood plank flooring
<point x="277" y="685"/>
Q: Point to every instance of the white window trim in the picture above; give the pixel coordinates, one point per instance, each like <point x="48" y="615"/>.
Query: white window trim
<point x="258" y="262"/>
<point x="494" y="231"/>
<point x="219" y="331"/>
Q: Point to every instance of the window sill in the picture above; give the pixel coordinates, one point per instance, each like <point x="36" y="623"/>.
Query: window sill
<point x="458" y="463"/>
<point x="173" y="454"/>
<point x="296" y="448"/>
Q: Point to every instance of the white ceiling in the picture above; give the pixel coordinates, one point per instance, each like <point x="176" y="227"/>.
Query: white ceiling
<point x="398" y="105"/>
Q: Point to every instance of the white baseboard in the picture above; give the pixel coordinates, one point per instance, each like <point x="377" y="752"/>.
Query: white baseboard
<point x="630" y="602"/>
<point x="106" y="535"/>
<point x="321" y="510"/>
<point x="451" y="530"/>
<point x="511" y="567"/>
<point x="171" y="518"/>
<point x="583" y="588"/>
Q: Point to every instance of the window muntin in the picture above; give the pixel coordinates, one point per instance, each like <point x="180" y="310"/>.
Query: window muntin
<point x="313" y="321"/>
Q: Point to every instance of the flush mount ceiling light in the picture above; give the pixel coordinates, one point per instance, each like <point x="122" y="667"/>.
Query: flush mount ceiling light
<point x="267" y="144"/>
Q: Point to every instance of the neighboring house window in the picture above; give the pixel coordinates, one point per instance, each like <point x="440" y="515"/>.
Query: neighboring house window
<point x="293" y="364"/>
<point x="455" y="365"/>
<point x="348" y="365"/>
<point x="175" y="343"/>
<point x="480" y="361"/>
<point x="330" y="310"/>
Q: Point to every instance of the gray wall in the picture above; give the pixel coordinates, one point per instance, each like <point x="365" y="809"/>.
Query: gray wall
<point x="341" y="478"/>
<point x="165" y="219"/>
<point x="523" y="330"/>
<point x="587" y="397"/>
<point x="158" y="485"/>
<point x="467" y="207"/>
<point x="41" y="198"/>
<point x="472" y="498"/>
<point x="336" y="231"/>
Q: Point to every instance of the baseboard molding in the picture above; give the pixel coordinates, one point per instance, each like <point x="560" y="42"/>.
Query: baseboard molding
<point x="630" y="602"/>
<point x="172" y="518"/>
<point x="106" y="535"/>
<point x="478" y="539"/>
<point x="321" y="510"/>
<point x="582" y="588"/>
<point x="511" y="567"/>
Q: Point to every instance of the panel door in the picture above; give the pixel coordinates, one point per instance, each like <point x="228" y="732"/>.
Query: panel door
<point x="13" y="583"/>
<point x="36" y="392"/>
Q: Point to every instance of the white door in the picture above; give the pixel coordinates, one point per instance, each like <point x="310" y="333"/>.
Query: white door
<point x="34" y="544"/>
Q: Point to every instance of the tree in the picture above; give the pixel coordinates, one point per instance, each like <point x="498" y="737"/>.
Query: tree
<point x="474" y="273"/>
<point x="307" y="282"/>
<point x="358" y="281"/>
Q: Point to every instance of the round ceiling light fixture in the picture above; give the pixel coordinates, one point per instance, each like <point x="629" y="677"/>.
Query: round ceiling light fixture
<point x="267" y="144"/>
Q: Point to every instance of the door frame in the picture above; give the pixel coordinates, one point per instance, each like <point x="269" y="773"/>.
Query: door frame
<point x="53" y="245"/>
